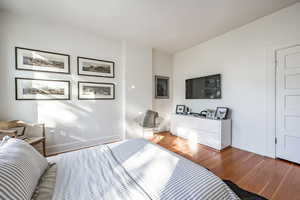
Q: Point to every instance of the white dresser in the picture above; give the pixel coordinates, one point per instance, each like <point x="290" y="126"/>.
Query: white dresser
<point x="209" y="132"/>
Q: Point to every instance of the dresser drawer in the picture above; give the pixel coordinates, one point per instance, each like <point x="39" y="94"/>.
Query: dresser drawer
<point x="196" y="123"/>
<point x="198" y="136"/>
<point x="210" y="139"/>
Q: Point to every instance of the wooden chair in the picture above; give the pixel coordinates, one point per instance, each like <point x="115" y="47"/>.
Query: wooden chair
<point x="11" y="131"/>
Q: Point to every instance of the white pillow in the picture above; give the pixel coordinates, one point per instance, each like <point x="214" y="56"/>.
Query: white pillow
<point x="21" y="166"/>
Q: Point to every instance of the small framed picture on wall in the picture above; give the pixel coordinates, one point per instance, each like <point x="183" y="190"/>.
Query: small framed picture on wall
<point x="161" y="87"/>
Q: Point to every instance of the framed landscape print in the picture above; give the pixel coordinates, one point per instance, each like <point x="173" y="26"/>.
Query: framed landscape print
<point x="41" y="89"/>
<point x="94" y="67"/>
<point x="96" y="91"/>
<point x="161" y="87"/>
<point x="42" y="61"/>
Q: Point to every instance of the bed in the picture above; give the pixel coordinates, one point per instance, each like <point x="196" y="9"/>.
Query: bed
<point x="133" y="170"/>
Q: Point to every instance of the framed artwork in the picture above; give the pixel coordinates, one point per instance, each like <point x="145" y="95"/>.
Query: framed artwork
<point x="41" y="89"/>
<point x="210" y="114"/>
<point x="41" y="61"/>
<point x="180" y="109"/>
<point x="94" y="67"/>
<point x="161" y="87"/>
<point x="96" y="91"/>
<point x="221" y="113"/>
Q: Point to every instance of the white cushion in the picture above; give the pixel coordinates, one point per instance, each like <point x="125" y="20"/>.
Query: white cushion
<point x="21" y="166"/>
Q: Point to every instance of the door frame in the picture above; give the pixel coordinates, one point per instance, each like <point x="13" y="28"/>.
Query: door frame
<point x="271" y="74"/>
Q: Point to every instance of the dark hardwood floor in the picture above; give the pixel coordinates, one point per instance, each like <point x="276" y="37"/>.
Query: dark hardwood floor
<point x="271" y="178"/>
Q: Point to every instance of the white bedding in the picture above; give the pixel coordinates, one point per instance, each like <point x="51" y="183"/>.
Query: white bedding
<point x="136" y="170"/>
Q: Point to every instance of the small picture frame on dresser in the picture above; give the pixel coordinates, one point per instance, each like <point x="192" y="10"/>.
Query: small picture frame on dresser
<point x="221" y="113"/>
<point x="180" y="109"/>
<point x="210" y="114"/>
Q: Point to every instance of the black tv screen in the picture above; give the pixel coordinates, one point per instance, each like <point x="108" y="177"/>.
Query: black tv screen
<point x="207" y="87"/>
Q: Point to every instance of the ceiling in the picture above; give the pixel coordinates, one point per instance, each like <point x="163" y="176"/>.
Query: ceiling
<point x="168" y="25"/>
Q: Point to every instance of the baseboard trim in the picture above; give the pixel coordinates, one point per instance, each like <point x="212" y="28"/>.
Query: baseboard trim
<point x="61" y="148"/>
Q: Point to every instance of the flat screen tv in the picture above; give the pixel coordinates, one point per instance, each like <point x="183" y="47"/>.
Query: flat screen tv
<point x="206" y="87"/>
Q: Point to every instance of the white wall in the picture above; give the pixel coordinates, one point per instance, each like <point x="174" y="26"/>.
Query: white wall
<point x="138" y="86"/>
<point x="162" y="66"/>
<point x="71" y="124"/>
<point x="242" y="57"/>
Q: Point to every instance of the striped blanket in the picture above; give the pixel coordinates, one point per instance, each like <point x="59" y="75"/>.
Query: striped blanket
<point x="134" y="170"/>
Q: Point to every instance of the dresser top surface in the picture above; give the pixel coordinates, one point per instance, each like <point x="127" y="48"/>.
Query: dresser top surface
<point x="196" y="117"/>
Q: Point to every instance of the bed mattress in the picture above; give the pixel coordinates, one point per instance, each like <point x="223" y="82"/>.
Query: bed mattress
<point x="134" y="170"/>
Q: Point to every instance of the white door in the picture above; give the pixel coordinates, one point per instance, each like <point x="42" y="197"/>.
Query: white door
<point x="288" y="104"/>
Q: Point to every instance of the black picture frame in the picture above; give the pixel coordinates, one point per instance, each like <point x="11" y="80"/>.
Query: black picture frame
<point x="98" y="60"/>
<point x="96" y="83"/>
<point x="218" y="110"/>
<point x="41" y="99"/>
<point x="158" y="88"/>
<point x="42" y="51"/>
<point x="210" y="114"/>
<point x="178" y="107"/>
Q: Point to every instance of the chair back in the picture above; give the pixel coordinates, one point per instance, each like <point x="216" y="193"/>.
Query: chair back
<point x="149" y="120"/>
<point x="18" y="125"/>
<point x="4" y="125"/>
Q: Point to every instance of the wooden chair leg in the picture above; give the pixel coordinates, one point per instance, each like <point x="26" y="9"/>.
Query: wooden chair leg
<point x="44" y="148"/>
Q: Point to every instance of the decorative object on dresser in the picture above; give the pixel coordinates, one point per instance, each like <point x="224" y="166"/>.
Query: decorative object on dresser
<point x="210" y="114"/>
<point x="161" y="87"/>
<point x="221" y="113"/>
<point x="41" y="89"/>
<point x="209" y="132"/>
<point x="41" y="61"/>
<point x="96" y="91"/>
<point x="24" y="135"/>
<point x="203" y="113"/>
<point x="95" y="67"/>
<point x="180" y="109"/>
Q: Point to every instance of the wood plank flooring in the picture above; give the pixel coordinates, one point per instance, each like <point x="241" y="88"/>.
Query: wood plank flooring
<point x="273" y="179"/>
